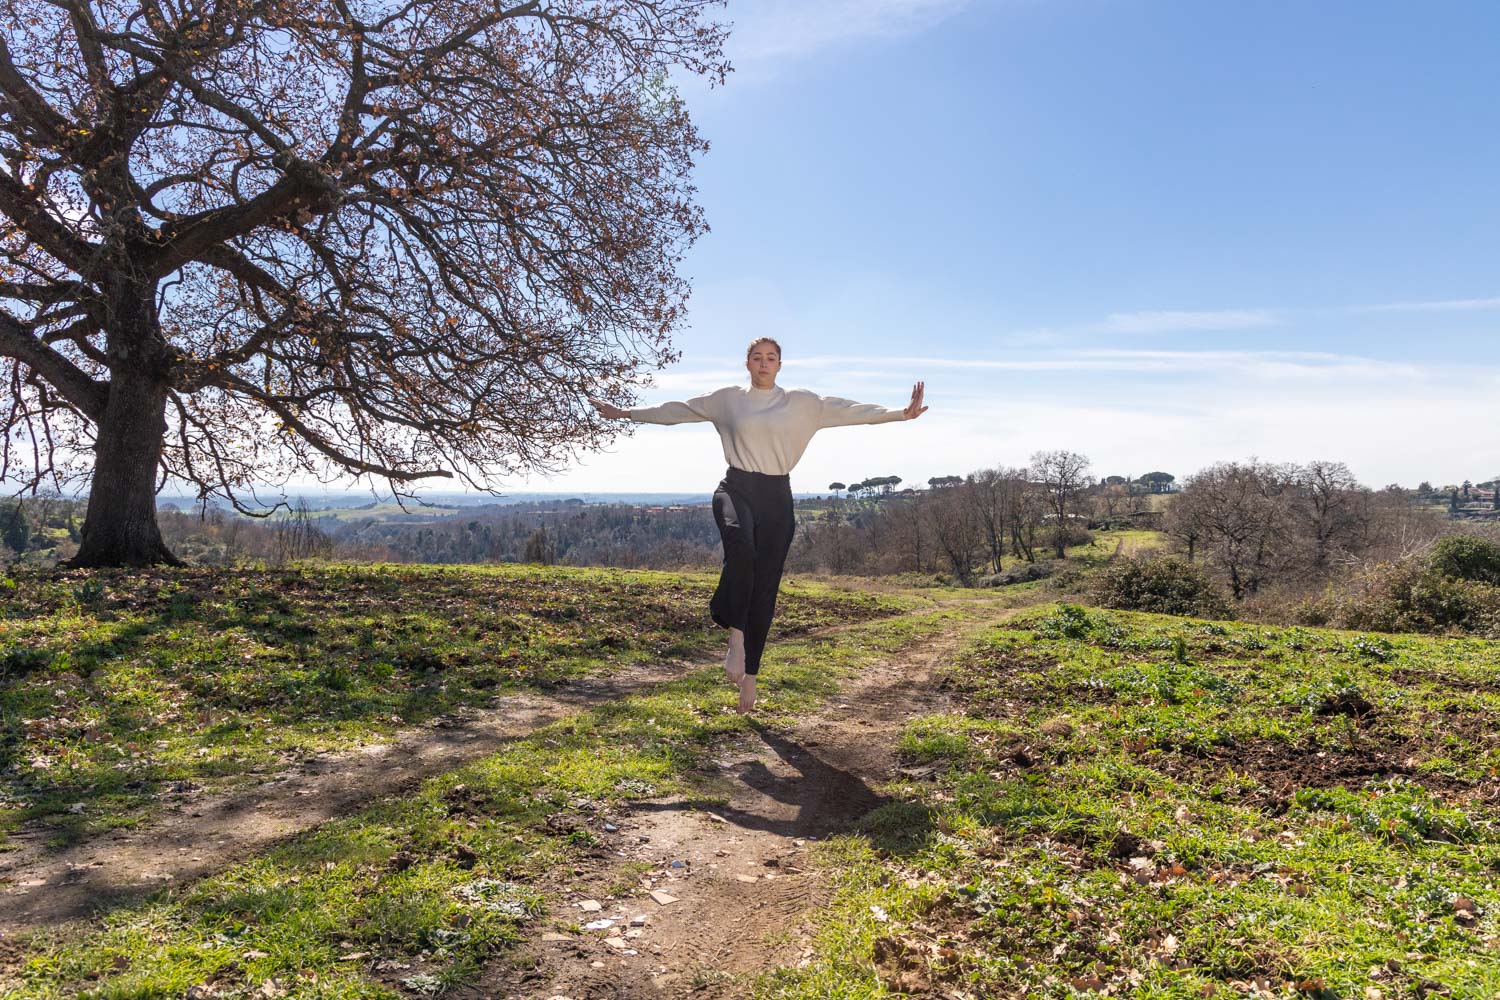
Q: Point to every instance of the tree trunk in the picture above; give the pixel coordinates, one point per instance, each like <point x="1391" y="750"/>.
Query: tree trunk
<point x="121" y="528"/>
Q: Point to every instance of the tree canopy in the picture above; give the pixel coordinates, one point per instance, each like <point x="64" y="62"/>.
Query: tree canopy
<point x="245" y="240"/>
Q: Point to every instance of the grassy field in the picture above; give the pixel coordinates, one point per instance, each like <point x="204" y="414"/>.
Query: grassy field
<point x="386" y="512"/>
<point x="119" y="691"/>
<point x="1119" y="805"/>
<point x="1106" y="545"/>
<point x="1142" y="806"/>
<point x="414" y="895"/>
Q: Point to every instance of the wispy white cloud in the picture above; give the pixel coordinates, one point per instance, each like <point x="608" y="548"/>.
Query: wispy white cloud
<point x="1155" y="321"/>
<point x="765" y="30"/>
<point x="1184" y="321"/>
<point x="1168" y="321"/>
<point x="1257" y="364"/>
<point x="1439" y="305"/>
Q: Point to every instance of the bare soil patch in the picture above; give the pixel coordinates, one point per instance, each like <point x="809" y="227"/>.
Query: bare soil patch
<point x="1411" y="677"/>
<point x="1279" y="769"/>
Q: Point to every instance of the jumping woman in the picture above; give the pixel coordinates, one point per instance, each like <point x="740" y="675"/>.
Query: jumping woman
<point x="764" y="429"/>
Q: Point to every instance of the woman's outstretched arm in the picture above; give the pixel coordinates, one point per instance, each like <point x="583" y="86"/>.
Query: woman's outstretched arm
<point x="676" y="412"/>
<point x="839" y="412"/>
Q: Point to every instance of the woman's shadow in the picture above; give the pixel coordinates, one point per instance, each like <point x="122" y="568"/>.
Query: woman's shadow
<point x="824" y="798"/>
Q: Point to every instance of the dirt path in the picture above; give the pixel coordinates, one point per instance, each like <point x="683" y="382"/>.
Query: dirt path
<point x="740" y="896"/>
<point x="41" y="886"/>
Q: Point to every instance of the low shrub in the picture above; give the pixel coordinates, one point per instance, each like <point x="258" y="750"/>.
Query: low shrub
<point x="1070" y="579"/>
<point x="1316" y="612"/>
<point x="1466" y="557"/>
<point x="1068" y="622"/>
<point x="1410" y="596"/>
<point x="1161" y="585"/>
<point x="1072" y="534"/>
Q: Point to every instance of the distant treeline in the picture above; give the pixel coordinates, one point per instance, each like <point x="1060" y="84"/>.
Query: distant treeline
<point x="550" y="532"/>
<point x="1253" y="524"/>
<point x="648" y="537"/>
<point x="45" y="530"/>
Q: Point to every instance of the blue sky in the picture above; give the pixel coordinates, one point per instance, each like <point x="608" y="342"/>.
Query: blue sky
<point x="1159" y="233"/>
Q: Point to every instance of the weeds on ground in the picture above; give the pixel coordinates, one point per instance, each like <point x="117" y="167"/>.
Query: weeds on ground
<point x="1141" y="806"/>
<point x="414" y="895"/>
<point x="119" y="690"/>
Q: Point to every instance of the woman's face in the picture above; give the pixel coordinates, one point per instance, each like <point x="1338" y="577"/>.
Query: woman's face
<point x="763" y="364"/>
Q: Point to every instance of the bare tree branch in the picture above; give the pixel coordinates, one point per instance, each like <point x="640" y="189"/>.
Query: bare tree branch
<point x="22" y="206"/>
<point x="76" y="386"/>
<point x="28" y="105"/>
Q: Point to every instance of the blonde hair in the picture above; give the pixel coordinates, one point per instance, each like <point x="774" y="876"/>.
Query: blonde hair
<point x="762" y="340"/>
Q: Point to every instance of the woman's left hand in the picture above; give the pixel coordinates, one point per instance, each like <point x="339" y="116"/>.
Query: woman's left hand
<point x="915" y="409"/>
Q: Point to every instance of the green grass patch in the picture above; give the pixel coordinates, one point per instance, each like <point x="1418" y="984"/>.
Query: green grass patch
<point x="415" y="894"/>
<point x="119" y="689"/>
<point x="1105" y="545"/>
<point x="1145" y="806"/>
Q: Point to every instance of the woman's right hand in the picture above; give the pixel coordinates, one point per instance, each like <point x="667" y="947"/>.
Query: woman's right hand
<point x="609" y="410"/>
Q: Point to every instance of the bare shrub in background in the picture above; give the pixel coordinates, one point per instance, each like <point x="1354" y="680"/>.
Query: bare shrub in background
<point x="1161" y="585"/>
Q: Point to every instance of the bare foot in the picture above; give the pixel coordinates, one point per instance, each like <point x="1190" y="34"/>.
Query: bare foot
<point x="747" y="694"/>
<point x="734" y="660"/>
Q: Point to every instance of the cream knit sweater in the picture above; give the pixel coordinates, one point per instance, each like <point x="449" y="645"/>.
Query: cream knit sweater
<point x="766" y="430"/>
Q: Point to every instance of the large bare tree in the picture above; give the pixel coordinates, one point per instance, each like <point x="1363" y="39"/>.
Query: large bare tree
<point x="951" y="513"/>
<point x="1065" y="476"/>
<point x="1237" y="511"/>
<point x="987" y="494"/>
<point x="247" y="239"/>
<point x="1331" y="509"/>
<point x="1007" y="506"/>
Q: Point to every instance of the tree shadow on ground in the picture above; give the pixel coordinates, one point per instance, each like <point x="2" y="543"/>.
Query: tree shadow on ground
<point x="192" y="844"/>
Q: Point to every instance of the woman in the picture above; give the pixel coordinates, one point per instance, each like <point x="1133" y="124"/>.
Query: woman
<point x="764" y="429"/>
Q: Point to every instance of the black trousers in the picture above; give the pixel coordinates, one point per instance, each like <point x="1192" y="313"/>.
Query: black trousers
<point x="754" y="515"/>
